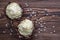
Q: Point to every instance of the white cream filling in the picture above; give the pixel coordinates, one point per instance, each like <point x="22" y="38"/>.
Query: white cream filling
<point x="13" y="10"/>
<point x="26" y="27"/>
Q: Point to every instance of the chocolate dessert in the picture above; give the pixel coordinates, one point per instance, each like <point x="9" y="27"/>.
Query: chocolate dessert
<point x="45" y="15"/>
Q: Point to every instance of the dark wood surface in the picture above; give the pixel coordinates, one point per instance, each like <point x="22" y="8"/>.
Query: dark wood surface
<point x="44" y="13"/>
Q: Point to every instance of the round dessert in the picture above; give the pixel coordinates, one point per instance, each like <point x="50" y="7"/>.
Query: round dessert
<point x="26" y="27"/>
<point x="13" y="11"/>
